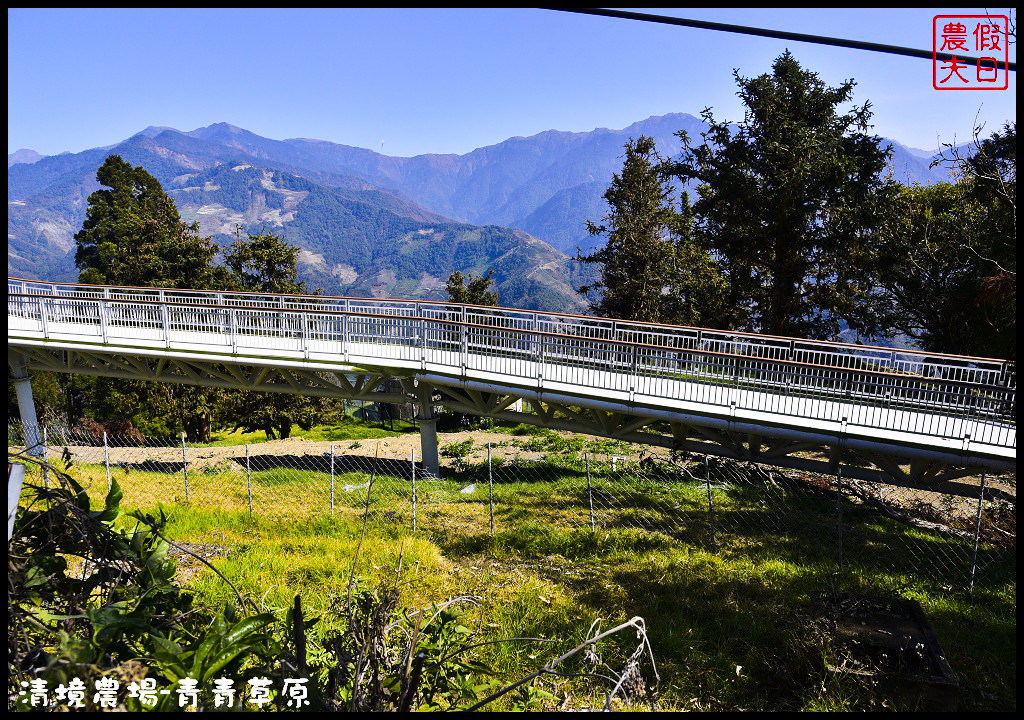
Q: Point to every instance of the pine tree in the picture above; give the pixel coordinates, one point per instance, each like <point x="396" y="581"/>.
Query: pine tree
<point x="265" y="263"/>
<point x="652" y="269"/>
<point x="475" y="291"/>
<point x="636" y="260"/>
<point x="696" y="287"/>
<point x="133" y="235"/>
<point x="787" y="200"/>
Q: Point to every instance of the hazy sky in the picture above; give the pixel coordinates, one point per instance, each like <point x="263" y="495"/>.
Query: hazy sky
<point x="406" y="82"/>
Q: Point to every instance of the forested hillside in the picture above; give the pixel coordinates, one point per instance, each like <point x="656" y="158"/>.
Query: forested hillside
<point x="355" y="238"/>
<point x="353" y="211"/>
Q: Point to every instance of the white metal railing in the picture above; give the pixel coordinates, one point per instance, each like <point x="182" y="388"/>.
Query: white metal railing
<point x="857" y="384"/>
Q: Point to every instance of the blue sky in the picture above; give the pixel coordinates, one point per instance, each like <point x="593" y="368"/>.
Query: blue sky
<point x="415" y="81"/>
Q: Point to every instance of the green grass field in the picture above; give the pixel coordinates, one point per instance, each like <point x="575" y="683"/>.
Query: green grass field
<point x="729" y="606"/>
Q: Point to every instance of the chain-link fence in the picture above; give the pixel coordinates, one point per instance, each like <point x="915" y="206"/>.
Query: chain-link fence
<point x="960" y="533"/>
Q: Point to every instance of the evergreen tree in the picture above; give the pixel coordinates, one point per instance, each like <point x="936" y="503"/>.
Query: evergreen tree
<point x="636" y="261"/>
<point x="944" y="265"/>
<point x="265" y="263"/>
<point x="696" y="287"/>
<point x="786" y="199"/>
<point x="477" y="291"/>
<point x="652" y="269"/>
<point x="133" y="235"/>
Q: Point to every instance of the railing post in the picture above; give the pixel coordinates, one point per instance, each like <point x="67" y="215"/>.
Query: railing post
<point x="103" y="309"/>
<point x="423" y="343"/>
<point x="184" y="465"/>
<point x="233" y="328"/>
<point x="633" y="373"/>
<point x="165" y="319"/>
<point x="463" y="330"/>
<point x="540" y="360"/>
<point x="345" y="332"/>
<point x="305" y="334"/>
<point x="421" y="330"/>
<point x="332" y="480"/>
<point x="106" y="459"/>
<point x="42" y="317"/>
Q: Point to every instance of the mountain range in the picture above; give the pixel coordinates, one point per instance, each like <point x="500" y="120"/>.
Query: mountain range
<point x="368" y="223"/>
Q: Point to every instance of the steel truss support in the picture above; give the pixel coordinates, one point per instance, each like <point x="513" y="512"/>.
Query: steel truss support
<point x="631" y="424"/>
<point x="428" y="430"/>
<point x="360" y="384"/>
<point x="799" y="455"/>
<point x="27" y="407"/>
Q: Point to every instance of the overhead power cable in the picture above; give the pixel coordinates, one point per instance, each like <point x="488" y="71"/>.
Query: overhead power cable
<point x="780" y="34"/>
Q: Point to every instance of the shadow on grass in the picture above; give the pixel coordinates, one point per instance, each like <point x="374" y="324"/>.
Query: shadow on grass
<point x="151" y="466"/>
<point x="748" y="604"/>
<point x="322" y="463"/>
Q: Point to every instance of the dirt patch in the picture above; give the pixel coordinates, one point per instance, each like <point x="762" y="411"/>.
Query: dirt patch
<point x="505" y="447"/>
<point x="188" y="565"/>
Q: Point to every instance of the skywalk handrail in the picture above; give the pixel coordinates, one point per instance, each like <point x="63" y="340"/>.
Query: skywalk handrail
<point x="318" y="302"/>
<point x="567" y="346"/>
<point x="457" y="324"/>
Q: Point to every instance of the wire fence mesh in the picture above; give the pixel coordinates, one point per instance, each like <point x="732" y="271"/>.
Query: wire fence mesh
<point x="959" y="534"/>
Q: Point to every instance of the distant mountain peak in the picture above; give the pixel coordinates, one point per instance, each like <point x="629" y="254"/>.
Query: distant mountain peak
<point x="370" y="216"/>
<point x="23" y="156"/>
<point x="153" y="130"/>
<point x="218" y="129"/>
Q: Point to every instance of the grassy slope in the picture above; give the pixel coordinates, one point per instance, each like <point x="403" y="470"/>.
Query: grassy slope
<point x="733" y="625"/>
<point x="707" y="612"/>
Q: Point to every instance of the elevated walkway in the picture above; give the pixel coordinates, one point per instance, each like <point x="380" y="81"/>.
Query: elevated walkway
<point x="752" y="396"/>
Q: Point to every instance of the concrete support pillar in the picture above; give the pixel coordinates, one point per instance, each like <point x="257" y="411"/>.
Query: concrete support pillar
<point x="428" y="430"/>
<point x="27" y="408"/>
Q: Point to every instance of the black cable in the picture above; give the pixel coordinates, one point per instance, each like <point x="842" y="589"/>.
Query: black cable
<point x="780" y="34"/>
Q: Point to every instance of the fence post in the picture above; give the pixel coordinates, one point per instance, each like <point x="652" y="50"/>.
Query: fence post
<point x="711" y="506"/>
<point x="46" y="475"/>
<point x="412" y="464"/>
<point x="106" y="459"/>
<point x="332" y="480"/>
<point x="839" y="511"/>
<point x="977" y="532"/>
<point x="490" y="487"/>
<point x="590" y="493"/>
<point x="248" y="478"/>
<point x="184" y="464"/>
